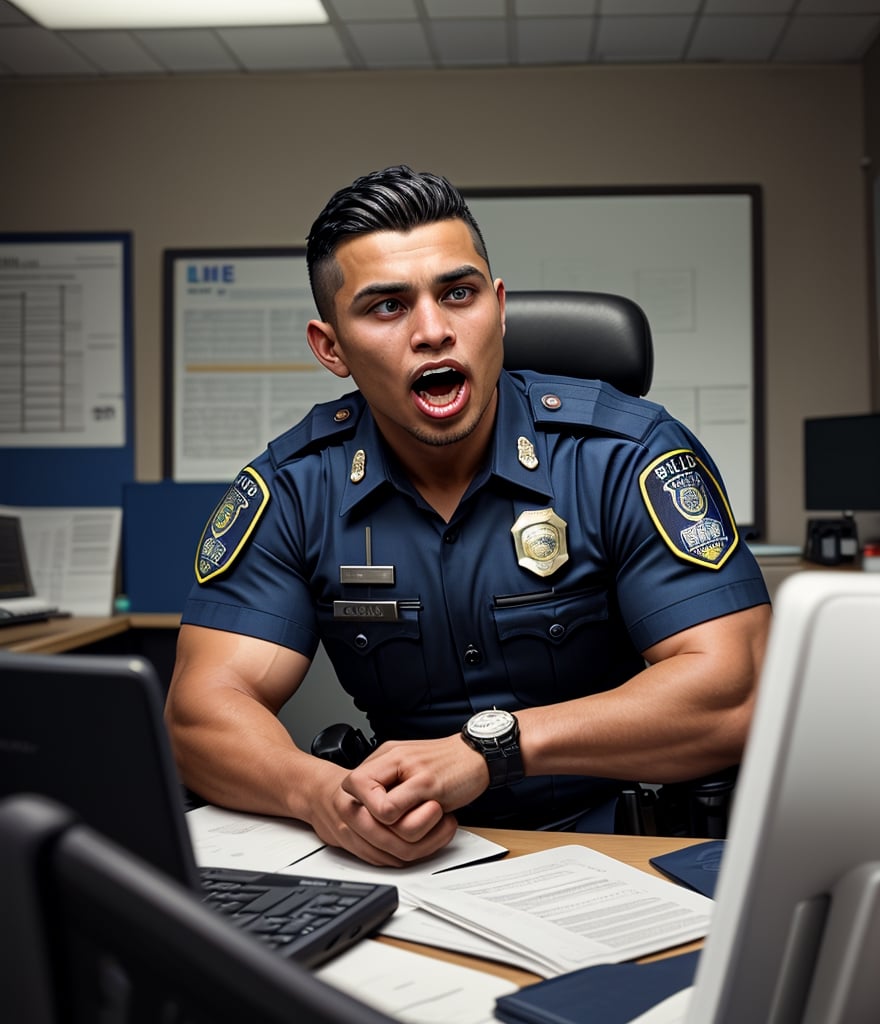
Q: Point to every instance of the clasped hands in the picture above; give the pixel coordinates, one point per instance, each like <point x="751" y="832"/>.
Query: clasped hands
<point x="396" y="807"/>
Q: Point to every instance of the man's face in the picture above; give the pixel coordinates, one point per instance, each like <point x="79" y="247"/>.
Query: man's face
<point x="419" y="326"/>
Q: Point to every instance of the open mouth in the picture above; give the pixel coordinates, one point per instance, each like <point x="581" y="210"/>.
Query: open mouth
<point x="440" y="392"/>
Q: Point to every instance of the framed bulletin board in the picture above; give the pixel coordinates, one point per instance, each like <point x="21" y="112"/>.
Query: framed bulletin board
<point x="238" y="367"/>
<point x="691" y="258"/>
<point x="66" y="419"/>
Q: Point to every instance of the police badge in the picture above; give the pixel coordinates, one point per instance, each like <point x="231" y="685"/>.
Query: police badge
<point x="541" y="544"/>
<point x="231" y="524"/>
<point x="689" y="508"/>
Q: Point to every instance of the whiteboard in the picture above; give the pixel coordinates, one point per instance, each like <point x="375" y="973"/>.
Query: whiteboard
<point x="691" y="259"/>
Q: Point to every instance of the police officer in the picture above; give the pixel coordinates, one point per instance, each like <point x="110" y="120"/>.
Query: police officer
<point x="533" y="587"/>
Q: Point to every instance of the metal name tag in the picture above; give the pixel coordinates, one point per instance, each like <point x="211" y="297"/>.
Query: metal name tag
<point x="366" y="574"/>
<point x="366" y="611"/>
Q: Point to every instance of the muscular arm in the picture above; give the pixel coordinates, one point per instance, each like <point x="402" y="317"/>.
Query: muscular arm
<point x="232" y="749"/>
<point x="686" y="715"/>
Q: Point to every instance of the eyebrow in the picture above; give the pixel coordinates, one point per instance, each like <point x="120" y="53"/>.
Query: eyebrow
<point x="396" y="287"/>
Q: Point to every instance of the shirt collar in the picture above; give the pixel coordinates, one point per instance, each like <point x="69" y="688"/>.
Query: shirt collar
<point x="513" y="421"/>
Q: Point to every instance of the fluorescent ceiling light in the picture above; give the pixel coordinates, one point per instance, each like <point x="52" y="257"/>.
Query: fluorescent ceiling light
<point x="133" y="14"/>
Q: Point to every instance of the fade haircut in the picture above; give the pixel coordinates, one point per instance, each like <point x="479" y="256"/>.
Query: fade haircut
<point x="394" y="199"/>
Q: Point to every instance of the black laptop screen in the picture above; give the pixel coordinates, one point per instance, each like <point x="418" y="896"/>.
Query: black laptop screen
<point x="14" y="577"/>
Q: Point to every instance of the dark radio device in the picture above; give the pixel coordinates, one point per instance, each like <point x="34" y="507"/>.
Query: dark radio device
<point x="343" y="745"/>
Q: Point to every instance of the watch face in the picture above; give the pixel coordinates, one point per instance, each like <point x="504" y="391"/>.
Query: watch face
<point x="487" y="725"/>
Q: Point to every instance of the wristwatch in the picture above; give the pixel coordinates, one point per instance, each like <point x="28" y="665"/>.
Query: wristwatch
<point x="495" y="734"/>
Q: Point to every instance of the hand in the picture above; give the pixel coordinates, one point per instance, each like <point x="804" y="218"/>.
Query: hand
<point x="405" y="784"/>
<point x="341" y="820"/>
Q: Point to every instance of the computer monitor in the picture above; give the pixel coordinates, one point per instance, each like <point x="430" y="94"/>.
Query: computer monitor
<point x="842" y="463"/>
<point x="795" y="938"/>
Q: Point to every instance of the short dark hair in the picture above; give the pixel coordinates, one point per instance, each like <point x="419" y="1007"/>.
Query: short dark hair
<point x="394" y="199"/>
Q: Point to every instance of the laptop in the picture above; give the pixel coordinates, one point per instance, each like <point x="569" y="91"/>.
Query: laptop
<point x="87" y="731"/>
<point x="18" y="600"/>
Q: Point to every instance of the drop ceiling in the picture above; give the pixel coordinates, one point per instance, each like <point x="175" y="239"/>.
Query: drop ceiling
<point x="369" y="35"/>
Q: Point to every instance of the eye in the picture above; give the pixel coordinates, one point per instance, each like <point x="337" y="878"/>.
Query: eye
<point x="388" y="307"/>
<point x="460" y="293"/>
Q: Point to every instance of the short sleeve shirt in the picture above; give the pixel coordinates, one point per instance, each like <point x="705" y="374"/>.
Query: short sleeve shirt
<point x="597" y="527"/>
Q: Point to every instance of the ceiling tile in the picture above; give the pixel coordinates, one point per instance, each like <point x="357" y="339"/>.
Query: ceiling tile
<point x="465" y="8"/>
<point x="471" y="42"/>
<point x="649" y="7"/>
<point x="188" y="49"/>
<point x="839" y="7"/>
<point x="391" y="44"/>
<point x="114" y="53"/>
<point x="553" y="40"/>
<point x="736" y="39"/>
<point x="10" y="15"/>
<point x="652" y="38"/>
<point x="551" y="8"/>
<point x="376" y="10"/>
<point x="36" y="51"/>
<point x="289" y="48"/>
<point x="839" y="38"/>
<point x="749" y="6"/>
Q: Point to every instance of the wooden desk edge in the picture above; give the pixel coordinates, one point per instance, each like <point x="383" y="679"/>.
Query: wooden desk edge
<point x="56" y="636"/>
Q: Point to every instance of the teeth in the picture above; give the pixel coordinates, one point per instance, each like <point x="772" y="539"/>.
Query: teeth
<point x="439" y="369"/>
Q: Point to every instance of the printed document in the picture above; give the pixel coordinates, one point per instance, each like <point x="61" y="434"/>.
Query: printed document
<point x="565" y="908"/>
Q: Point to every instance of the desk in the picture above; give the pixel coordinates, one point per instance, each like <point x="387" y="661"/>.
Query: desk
<point x="56" y="636"/>
<point x="633" y="850"/>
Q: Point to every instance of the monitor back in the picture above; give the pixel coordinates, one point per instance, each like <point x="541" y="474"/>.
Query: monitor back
<point x="807" y="809"/>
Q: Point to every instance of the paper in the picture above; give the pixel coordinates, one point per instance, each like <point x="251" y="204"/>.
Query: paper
<point x="670" y="1011"/>
<point x="224" y="838"/>
<point x="566" y="908"/>
<point x="72" y="555"/>
<point x="464" y="848"/>
<point x="232" y="839"/>
<point x="413" y="988"/>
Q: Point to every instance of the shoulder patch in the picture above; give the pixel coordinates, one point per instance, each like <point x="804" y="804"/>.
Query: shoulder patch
<point x="231" y="523"/>
<point x="689" y="508"/>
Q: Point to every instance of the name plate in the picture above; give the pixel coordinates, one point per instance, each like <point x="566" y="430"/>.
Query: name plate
<point x="366" y="611"/>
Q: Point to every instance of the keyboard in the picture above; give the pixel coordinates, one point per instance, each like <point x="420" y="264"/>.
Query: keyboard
<point x="17" y="610"/>
<point x="308" y="920"/>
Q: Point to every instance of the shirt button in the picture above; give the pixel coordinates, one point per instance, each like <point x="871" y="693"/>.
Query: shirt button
<point x="557" y="630"/>
<point x="451" y="536"/>
<point x="361" y="641"/>
<point x="472" y="656"/>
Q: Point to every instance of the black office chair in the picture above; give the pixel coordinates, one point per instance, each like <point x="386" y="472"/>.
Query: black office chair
<point x="590" y="335"/>
<point x="93" y="934"/>
<point x="598" y="336"/>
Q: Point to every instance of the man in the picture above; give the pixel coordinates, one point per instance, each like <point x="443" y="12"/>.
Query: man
<point x="461" y="539"/>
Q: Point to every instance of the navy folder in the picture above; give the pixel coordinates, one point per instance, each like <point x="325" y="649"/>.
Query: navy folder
<point x="606" y="994"/>
<point x="696" y="866"/>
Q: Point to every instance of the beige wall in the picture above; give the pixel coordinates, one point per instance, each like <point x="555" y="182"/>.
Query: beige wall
<point x="202" y="161"/>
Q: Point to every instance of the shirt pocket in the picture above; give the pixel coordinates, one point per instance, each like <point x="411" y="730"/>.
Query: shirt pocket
<point x="379" y="663"/>
<point x="555" y="646"/>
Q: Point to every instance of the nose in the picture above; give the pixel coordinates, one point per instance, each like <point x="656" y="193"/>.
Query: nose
<point x="431" y="325"/>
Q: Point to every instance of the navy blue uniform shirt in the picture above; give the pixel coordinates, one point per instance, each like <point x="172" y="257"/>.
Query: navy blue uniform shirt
<point x="597" y="527"/>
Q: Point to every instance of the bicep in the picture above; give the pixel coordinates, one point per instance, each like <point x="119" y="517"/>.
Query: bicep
<point x="211" y="660"/>
<point x="727" y="652"/>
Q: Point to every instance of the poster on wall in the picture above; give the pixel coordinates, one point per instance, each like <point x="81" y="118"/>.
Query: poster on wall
<point x="63" y="326"/>
<point x="239" y="370"/>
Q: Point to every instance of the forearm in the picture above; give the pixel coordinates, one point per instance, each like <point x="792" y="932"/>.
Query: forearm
<point x="236" y="753"/>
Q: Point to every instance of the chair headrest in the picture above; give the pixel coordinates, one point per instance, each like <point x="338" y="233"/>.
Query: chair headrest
<point x="591" y="335"/>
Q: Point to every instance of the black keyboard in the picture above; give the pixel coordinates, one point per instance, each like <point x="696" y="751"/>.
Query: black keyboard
<point x="308" y="920"/>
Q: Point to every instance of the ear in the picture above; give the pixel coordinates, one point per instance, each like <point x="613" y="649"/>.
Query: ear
<point x="502" y="298"/>
<point x="322" y="341"/>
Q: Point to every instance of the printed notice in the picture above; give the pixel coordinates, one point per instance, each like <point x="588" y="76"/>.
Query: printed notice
<point x="243" y="369"/>
<point x="62" y="324"/>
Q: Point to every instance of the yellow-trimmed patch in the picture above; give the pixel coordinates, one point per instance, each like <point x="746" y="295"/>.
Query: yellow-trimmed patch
<point x="231" y="523"/>
<point x="689" y="508"/>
